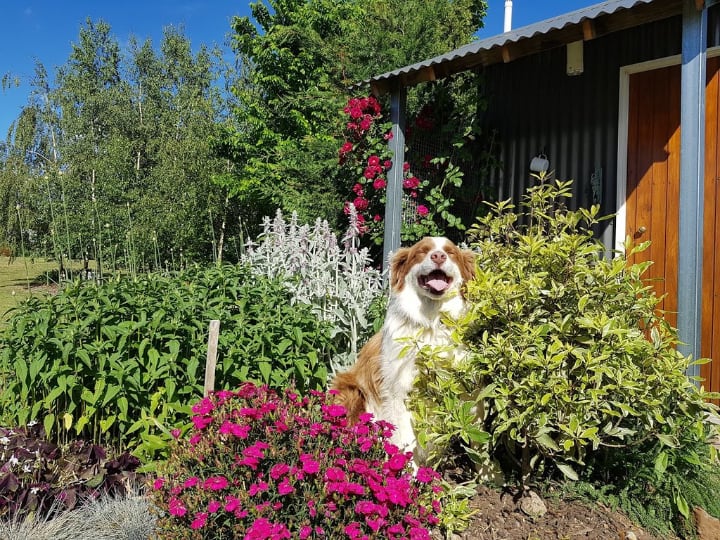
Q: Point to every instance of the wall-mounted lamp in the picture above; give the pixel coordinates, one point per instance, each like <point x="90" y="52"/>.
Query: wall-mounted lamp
<point x="574" y="64"/>
<point x="539" y="164"/>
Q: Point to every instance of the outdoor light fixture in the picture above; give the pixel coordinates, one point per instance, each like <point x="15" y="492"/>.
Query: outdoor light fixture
<point x="574" y="58"/>
<point x="539" y="164"/>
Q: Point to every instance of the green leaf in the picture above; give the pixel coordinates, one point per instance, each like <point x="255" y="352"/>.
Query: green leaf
<point x="106" y="423"/>
<point x="477" y="435"/>
<point x="568" y="471"/>
<point x="112" y="391"/>
<point x="80" y="424"/>
<point x="682" y="505"/>
<point x="265" y="370"/>
<point x="590" y="433"/>
<point x="668" y="440"/>
<point x="547" y="442"/>
<point x="48" y="423"/>
<point x="661" y="463"/>
<point x="283" y="346"/>
<point x="21" y="370"/>
<point x="123" y="405"/>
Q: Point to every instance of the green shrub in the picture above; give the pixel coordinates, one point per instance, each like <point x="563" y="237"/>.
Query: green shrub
<point x="581" y="375"/>
<point x="261" y="465"/>
<point x="117" y="362"/>
<point x="577" y="356"/>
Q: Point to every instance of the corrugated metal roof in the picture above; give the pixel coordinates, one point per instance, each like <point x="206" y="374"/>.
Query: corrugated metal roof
<point x="477" y="51"/>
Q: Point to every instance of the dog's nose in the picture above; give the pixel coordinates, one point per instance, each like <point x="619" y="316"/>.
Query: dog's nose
<point x="438" y="257"/>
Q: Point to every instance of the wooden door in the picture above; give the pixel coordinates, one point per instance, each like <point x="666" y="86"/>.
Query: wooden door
<point x="653" y="177"/>
<point x="710" y="333"/>
<point x="653" y="183"/>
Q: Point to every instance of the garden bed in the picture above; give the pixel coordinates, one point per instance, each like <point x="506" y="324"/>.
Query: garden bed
<point x="499" y="516"/>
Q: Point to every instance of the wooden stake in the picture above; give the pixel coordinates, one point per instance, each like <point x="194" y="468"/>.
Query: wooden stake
<point x="210" y="363"/>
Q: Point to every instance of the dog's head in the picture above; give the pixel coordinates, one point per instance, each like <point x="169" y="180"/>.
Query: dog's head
<point x="433" y="267"/>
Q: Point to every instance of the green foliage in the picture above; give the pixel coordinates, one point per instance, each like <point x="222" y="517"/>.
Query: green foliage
<point x="658" y="485"/>
<point x="298" y="58"/>
<point x="112" y="157"/>
<point x="575" y="354"/>
<point x="579" y="372"/>
<point x="117" y="362"/>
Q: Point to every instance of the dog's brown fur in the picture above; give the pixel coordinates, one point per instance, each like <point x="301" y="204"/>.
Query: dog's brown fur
<point x="360" y="383"/>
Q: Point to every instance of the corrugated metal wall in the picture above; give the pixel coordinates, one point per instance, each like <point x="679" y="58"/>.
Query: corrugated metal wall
<point x="535" y="107"/>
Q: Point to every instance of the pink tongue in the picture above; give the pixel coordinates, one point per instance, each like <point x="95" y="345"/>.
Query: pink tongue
<point x="437" y="284"/>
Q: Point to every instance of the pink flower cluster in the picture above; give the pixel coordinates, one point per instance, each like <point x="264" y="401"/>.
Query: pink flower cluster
<point x="258" y="465"/>
<point x="365" y="151"/>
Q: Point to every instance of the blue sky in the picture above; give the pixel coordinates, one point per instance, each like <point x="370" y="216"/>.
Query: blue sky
<point x="44" y="30"/>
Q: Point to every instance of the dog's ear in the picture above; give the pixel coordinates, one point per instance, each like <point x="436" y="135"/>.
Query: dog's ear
<point x="397" y="263"/>
<point x="467" y="265"/>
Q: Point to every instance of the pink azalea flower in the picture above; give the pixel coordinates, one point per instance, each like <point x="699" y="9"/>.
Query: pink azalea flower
<point x="426" y="475"/>
<point x="309" y="465"/>
<point x="201" y="422"/>
<point x="396" y="462"/>
<point x="353" y="530"/>
<point x="422" y="210"/>
<point x="360" y="204"/>
<point x="334" y="411"/>
<point x="203" y="407"/>
<point x="257" y="487"/>
<point x="279" y="470"/>
<point x="158" y="483"/>
<point x="333" y="474"/>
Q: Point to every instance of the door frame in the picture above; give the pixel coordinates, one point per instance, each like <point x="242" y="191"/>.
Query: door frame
<point x="623" y="117"/>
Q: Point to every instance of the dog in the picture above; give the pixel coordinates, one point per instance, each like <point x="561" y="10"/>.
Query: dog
<point x="426" y="284"/>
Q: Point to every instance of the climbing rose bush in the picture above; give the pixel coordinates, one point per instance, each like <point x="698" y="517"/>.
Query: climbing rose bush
<point x="367" y="157"/>
<point x="365" y="161"/>
<point x="258" y="465"/>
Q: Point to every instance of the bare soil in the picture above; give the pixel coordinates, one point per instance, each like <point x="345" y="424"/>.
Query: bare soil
<point x="500" y="516"/>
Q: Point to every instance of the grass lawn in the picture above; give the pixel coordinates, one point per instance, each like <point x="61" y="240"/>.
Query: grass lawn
<point x="14" y="278"/>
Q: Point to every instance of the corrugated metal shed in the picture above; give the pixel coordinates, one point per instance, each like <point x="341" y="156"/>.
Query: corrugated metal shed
<point x="584" y="24"/>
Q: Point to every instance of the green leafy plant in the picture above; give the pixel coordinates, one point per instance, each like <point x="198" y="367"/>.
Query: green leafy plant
<point x="576" y="368"/>
<point x="575" y="354"/>
<point x="260" y="465"/>
<point x="116" y="363"/>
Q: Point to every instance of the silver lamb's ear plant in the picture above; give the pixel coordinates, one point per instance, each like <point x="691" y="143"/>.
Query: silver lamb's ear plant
<point x="338" y="281"/>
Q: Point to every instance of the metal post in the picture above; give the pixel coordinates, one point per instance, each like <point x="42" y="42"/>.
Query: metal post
<point x="393" y="201"/>
<point x="692" y="160"/>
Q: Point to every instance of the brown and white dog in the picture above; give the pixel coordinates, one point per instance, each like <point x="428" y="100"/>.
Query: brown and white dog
<point x="425" y="284"/>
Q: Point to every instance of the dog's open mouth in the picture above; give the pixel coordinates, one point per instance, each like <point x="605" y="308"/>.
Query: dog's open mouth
<point x="436" y="282"/>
